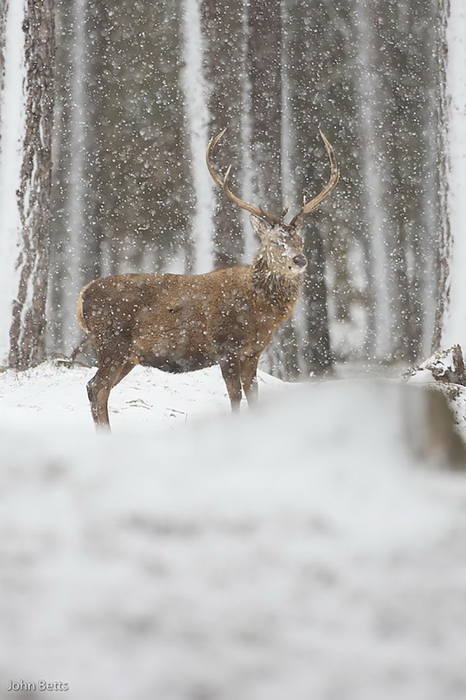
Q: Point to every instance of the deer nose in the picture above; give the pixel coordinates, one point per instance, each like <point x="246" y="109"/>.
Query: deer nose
<point x="299" y="260"/>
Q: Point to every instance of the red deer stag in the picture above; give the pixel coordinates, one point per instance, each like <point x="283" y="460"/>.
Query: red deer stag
<point x="180" y="323"/>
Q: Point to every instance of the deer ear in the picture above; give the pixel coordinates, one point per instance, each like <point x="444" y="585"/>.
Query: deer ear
<point x="260" y="227"/>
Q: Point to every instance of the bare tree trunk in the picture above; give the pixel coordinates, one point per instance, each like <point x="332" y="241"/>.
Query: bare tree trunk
<point x="445" y="230"/>
<point x="265" y="79"/>
<point x="61" y="166"/>
<point x="283" y="351"/>
<point x="3" y="14"/>
<point x="223" y="71"/>
<point x="369" y="100"/>
<point x="454" y="327"/>
<point x="307" y="67"/>
<point x="199" y="247"/>
<point x="431" y="206"/>
<point x="317" y="352"/>
<point x="264" y="58"/>
<point x="33" y="197"/>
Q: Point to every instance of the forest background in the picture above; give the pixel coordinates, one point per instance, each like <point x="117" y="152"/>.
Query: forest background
<point x="130" y="95"/>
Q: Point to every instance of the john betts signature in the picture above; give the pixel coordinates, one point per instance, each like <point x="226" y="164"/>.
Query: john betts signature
<point x="42" y="686"/>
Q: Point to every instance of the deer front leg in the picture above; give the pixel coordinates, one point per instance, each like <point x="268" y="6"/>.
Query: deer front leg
<point x="99" y="387"/>
<point x="249" y="378"/>
<point x="231" y="375"/>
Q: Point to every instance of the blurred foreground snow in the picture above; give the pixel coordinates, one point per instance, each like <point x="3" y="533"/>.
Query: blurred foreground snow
<point x="300" y="551"/>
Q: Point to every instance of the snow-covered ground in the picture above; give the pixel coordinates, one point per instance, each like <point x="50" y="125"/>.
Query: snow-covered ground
<point x="146" y="400"/>
<point x="300" y="551"/>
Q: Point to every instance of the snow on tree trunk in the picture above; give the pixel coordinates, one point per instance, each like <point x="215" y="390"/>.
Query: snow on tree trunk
<point x="453" y="324"/>
<point x="195" y="88"/>
<point x="29" y="206"/>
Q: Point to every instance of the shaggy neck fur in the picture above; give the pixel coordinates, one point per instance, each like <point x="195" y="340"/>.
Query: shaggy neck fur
<point x="278" y="289"/>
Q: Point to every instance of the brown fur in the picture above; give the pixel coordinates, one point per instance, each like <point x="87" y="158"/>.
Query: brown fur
<point x="181" y="323"/>
<point x="79" y="309"/>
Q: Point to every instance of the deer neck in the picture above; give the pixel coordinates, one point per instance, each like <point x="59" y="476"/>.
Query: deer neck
<point x="280" y="291"/>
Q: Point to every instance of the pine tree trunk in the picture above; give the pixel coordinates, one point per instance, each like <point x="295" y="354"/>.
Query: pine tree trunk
<point x="264" y="59"/>
<point x="265" y="79"/>
<point x="3" y="14"/>
<point x="27" y="329"/>
<point x="317" y="352"/>
<point x="454" y="327"/>
<point x="222" y="28"/>
<point x="445" y="230"/>
<point x="307" y="66"/>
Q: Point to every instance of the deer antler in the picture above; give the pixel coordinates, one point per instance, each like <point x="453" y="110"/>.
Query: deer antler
<point x="223" y="184"/>
<point x="312" y="204"/>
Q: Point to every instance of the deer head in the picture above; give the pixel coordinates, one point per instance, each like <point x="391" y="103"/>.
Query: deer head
<point x="282" y="245"/>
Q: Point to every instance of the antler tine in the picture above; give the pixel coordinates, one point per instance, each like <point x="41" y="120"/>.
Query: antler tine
<point x="211" y="145"/>
<point x="310" y="206"/>
<point x="256" y="211"/>
<point x="227" y="175"/>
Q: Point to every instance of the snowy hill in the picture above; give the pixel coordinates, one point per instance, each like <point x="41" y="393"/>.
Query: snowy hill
<point x="300" y="551"/>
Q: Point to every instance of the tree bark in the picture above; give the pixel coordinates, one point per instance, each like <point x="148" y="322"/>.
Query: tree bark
<point x="445" y="246"/>
<point x="27" y="331"/>
<point x="223" y="71"/>
<point x="264" y="59"/>
<point x="308" y="71"/>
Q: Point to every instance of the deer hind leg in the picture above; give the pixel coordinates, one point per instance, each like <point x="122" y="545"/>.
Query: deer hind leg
<point x="231" y="375"/>
<point x="249" y="378"/>
<point x="99" y="387"/>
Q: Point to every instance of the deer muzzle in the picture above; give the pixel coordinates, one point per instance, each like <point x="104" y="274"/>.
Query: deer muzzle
<point x="300" y="260"/>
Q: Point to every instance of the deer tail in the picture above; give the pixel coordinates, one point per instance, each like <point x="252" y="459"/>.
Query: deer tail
<point x="81" y="309"/>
